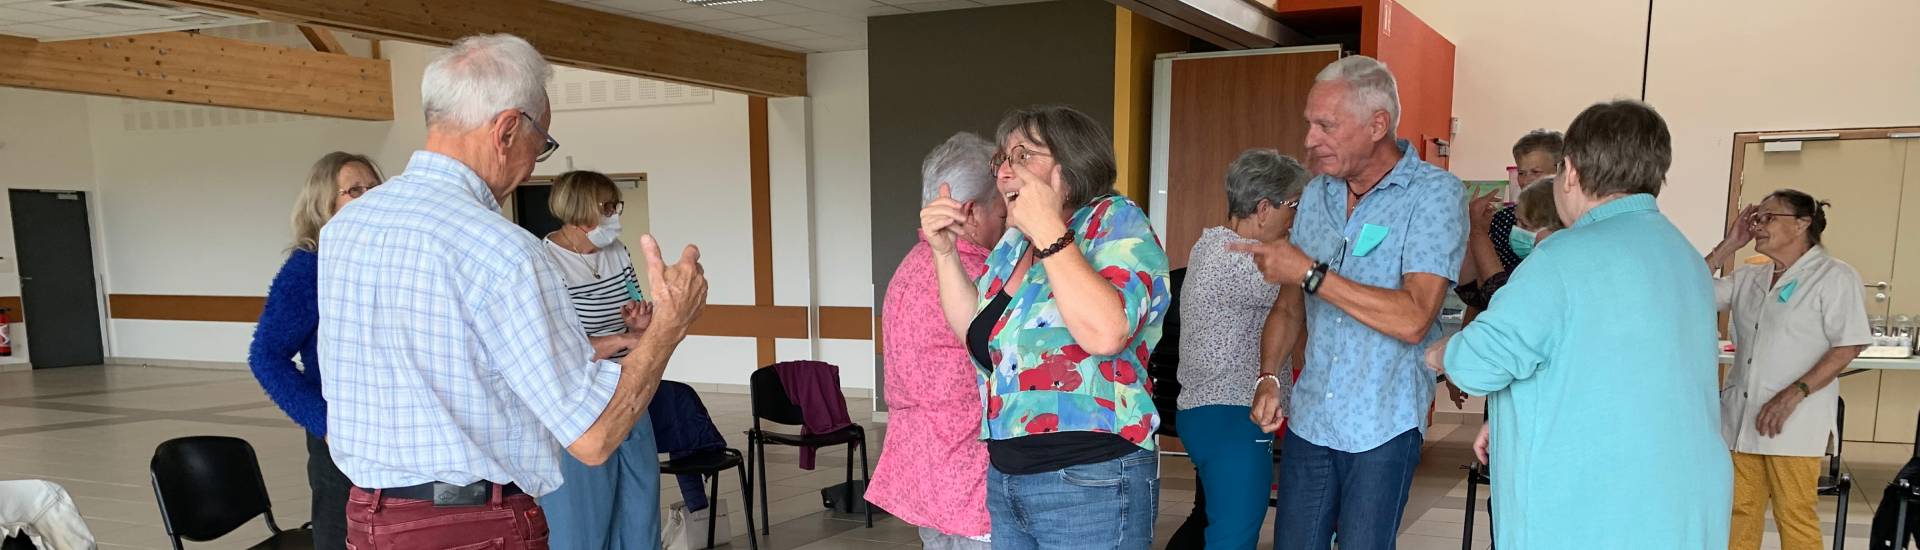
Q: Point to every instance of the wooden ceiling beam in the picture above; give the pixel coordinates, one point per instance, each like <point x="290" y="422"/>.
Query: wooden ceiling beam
<point x="566" y="34"/>
<point x="322" y="40"/>
<point x="197" y="69"/>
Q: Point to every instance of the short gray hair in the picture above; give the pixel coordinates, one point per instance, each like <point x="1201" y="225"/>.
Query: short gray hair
<point x="1370" y="87"/>
<point x="1262" y="175"/>
<point x="480" y="76"/>
<point x="964" y="163"/>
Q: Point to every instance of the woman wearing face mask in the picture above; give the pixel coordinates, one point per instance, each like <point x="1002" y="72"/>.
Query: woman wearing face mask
<point x="1224" y="307"/>
<point x="1797" y="321"/>
<point x="1534" y="220"/>
<point x="615" y="504"/>
<point x="287" y="328"/>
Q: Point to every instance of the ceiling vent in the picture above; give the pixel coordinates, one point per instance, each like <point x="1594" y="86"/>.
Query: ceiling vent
<point x="117" y="7"/>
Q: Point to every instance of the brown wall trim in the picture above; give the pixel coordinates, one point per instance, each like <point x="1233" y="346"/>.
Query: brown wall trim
<point x="157" y="307"/>
<point x="764" y="322"/>
<point x="847" y="323"/>
<point x="15" y="312"/>
<point x="742" y="321"/>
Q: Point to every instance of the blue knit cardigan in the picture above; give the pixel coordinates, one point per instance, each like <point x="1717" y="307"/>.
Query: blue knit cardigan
<point x="288" y="326"/>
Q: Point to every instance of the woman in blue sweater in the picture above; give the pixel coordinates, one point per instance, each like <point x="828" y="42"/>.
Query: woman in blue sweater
<point x="287" y="327"/>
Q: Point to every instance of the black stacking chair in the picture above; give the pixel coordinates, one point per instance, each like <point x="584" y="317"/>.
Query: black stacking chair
<point x="770" y="403"/>
<point x="1836" y="483"/>
<point x="208" y="486"/>
<point x="711" y="463"/>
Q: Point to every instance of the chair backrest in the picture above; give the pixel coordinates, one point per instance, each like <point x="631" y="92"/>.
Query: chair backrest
<point x="208" y="486"/>
<point x="770" y="400"/>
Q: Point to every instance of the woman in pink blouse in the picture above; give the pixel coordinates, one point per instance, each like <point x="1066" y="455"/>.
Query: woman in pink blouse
<point x="932" y="471"/>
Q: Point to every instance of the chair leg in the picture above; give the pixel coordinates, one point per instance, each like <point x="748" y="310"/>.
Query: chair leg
<point x="1845" y="487"/>
<point x="746" y="493"/>
<point x="766" y="521"/>
<point x="1473" y="503"/>
<point x="713" y="508"/>
<point x="866" y="478"/>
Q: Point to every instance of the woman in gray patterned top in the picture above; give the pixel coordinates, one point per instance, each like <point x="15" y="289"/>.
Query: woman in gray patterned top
<point x="1224" y="307"/>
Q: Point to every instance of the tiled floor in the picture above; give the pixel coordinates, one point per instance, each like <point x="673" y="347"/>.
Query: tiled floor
<point x="93" y="429"/>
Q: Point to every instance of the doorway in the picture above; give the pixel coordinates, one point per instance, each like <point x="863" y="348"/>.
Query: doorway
<point x="55" y="248"/>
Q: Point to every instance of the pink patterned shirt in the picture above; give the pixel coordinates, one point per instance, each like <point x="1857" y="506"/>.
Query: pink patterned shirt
<point x="933" y="470"/>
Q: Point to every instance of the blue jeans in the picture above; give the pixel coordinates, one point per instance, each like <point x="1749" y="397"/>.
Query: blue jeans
<point x="1105" y="506"/>
<point x="1234" y="460"/>
<point x="615" y="505"/>
<point x="1363" y="494"/>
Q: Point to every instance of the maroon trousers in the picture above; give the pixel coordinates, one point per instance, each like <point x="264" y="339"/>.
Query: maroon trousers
<point x="377" y="522"/>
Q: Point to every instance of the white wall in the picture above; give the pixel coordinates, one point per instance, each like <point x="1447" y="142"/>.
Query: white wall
<point x="837" y="86"/>
<point x="1717" y="67"/>
<point x="202" y="209"/>
<point x="40" y="148"/>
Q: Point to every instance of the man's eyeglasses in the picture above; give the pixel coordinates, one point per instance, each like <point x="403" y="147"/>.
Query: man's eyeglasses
<point x="1020" y="155"/>
<point x="358" y="190"/>
<point x="551" y="146"/>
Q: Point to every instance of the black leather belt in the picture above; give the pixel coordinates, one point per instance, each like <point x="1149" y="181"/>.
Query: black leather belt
<point x="448" y="494"/>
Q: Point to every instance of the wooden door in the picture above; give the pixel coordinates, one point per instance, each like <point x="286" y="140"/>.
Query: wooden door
<point x="1221" y="105"/>
<point x="1899" y="403"/>
<point x="1863" y="180"/>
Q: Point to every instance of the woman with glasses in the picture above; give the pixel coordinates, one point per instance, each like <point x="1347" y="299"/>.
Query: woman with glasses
<point x="1060" y="326"/>
<point x="287" y="327"/>
<point x="1224" y="307"/>
<point x="615" y="504"/>
<point x="1797" y="320"/>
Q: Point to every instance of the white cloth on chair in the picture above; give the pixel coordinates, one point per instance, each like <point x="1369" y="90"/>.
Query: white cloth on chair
<point x="45" y="513"/>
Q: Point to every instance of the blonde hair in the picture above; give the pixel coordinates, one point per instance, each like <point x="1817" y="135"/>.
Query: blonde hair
<point x="315" y="205"/>
<point x="577" y="196"/>
<point x="1536" y="209"/>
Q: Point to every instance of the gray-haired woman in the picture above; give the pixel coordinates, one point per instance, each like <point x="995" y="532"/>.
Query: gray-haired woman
<point x="1224" y="307"/>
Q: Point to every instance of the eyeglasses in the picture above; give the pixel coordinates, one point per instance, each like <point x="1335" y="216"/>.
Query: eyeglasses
<point x="551" y="145"/>
<point x="610" y="208"/>
<point x="358" y="190"/>
<point x="1293" y="203"/>
<point x="1020" y="155"/>
<point x="1762" y="218"/>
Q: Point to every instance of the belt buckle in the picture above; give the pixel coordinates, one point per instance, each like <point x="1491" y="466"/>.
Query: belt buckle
<point x="448" y="494"/>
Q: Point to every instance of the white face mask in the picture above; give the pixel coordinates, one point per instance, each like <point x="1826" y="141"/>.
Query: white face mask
<point x="606" y="233"/>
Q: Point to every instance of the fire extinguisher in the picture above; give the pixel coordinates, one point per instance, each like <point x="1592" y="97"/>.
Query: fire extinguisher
<point x="6" y="335"/>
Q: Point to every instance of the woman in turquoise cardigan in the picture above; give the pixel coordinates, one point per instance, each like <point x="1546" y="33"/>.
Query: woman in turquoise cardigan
<point x="1598" y="359"/>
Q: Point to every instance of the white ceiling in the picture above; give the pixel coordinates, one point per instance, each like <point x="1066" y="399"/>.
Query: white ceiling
<point x="809" y="26"/>
<point x="44" y="20"/>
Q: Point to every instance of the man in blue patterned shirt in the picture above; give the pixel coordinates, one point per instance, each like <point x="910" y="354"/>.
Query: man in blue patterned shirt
<point x="1378" y="238"/>
<point x="457" y="371"/>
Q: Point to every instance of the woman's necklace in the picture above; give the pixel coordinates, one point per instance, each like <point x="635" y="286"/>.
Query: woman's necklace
<point x="592" y="266"/>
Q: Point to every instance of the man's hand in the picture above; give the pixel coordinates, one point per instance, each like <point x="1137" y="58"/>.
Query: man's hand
<point x="679" y="291"/>
<point x="1280" y="262"/>
<point x="1773" y="416"/>
<point x="1266" y="405"/>
<point x="1480" y="443"/>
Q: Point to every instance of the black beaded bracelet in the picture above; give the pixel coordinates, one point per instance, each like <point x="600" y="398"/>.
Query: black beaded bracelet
<point x="1056" y="247"/>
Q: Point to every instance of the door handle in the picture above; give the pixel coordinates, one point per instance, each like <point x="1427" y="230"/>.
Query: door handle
<point x="1882" y="285"/>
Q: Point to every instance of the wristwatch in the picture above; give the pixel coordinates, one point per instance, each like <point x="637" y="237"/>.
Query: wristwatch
<point x="1804" y="390"/>
<point x="1315" y="276"/>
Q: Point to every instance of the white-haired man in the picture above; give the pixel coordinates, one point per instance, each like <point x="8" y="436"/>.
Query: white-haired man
<point x="1378" y="238"/>
<point x="933" y="473"/>
<point x="458" y="370"/>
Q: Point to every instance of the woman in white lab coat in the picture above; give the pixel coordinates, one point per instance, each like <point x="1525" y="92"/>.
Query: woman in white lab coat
<point x="1797" y="321"/>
